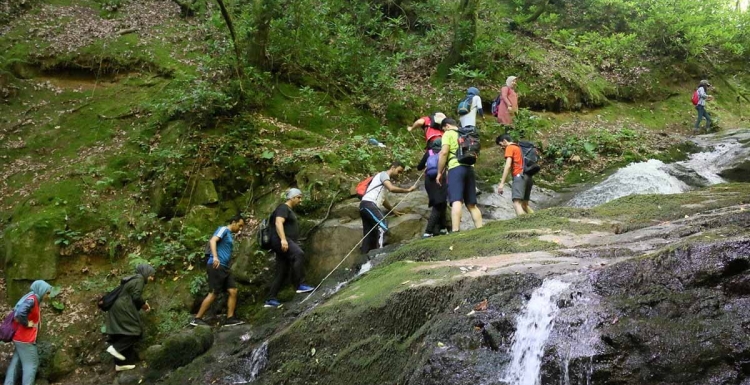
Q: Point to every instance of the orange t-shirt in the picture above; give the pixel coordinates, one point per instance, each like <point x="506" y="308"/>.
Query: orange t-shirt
<point x="513" y="151"/>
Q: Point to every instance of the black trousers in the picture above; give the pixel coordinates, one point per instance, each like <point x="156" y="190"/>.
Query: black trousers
<point x="292" y="260"/>
<point x="125" y="345"/>
<point x="372" y="217"/>
<point x="438" y="219"/>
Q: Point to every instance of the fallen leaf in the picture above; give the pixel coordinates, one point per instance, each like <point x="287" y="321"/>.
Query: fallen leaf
<point x="190" y="268"/>
<point x="312" y="352"/>
<point x="451" y="248"/>
<point x="441" y="345"/>
<point x="482" y="306"/>
<point x="471" y="313"/>
<point x="614" y="321"/>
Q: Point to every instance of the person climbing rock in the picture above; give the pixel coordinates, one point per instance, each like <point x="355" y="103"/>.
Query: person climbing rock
<point x="437" y="195"/>
<point x="431" y="125"/>
<point x="285" y="243"/>
<point x="461" y="178"/>
<point x="372" y="200"/>
<point x="508" y="103"/>
<point x="474" y="107"/>
<point x="123" y="320"/>
<point x="703" y="97"/>
<point x="522" y="183"/>
<point x="27" y="321"/>
<point x="220" y="277"/>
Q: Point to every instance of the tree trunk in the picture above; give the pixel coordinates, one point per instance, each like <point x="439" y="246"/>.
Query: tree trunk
<point x="265" y="12"/>
<point x="464" y="34"/>
<point x="230" y="26"/>
<point x="539" y="12"/>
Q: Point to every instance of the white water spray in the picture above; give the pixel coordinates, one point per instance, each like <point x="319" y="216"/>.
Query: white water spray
<point x="532" y="330"/>
<point x="250" y="367"/>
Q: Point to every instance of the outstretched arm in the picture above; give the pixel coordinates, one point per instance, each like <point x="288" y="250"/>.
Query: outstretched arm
<point x="395" y="189"/>
<point x="417" y="123"/>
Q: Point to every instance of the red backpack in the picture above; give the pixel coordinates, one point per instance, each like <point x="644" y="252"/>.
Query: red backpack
<point x="362" y="186"/>
<point x="430" y="132"/>
<point x="696" y="98"/>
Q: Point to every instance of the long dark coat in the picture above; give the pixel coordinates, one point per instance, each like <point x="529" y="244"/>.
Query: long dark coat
<point x="124" y="317"/>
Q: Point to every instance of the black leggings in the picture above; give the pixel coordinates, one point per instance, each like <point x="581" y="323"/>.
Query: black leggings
<point x="437" y="219"/>
<point x="293" y="259"/>
<point x="125" y="345"/>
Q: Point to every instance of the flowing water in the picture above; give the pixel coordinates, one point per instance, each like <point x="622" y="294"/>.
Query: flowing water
<point x="249" y="368"/>
<point x="533" y="327"/>
<point x="655" y="177"/>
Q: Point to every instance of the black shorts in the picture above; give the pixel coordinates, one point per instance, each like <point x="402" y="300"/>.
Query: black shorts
<point x="462" y="185"/>
<point x="220" y="280"/>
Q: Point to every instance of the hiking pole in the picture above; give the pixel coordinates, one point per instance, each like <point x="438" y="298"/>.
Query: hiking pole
<point x="360" y="241"/>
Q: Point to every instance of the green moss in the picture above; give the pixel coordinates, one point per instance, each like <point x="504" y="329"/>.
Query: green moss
<point x="501" y="237"/>
<point x="636" y="211"/>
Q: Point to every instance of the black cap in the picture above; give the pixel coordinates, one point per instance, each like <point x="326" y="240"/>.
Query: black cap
<point x="449" y="121"/>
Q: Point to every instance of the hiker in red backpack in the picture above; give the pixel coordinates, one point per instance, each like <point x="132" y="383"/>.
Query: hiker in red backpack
<point x="507" y="105"/>
<point x="369" y="208"/>
<point x="431" y="126"/>
<point x="700" y="97"/>
<point x="27" y="321"/>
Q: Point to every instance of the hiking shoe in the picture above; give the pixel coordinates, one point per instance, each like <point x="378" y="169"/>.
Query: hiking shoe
<point x="443" y="231"/>
<point x="111" y="350"/>
<point x="426" y="235"/>
<point x="120" y="368"/>
<point x="233" y="321"/>
<point x="304" y="289"/>
<point x="198" y="322"/>
<point x="272" y="303"/>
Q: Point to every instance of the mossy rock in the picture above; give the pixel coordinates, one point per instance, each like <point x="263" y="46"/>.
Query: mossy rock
<point x="179" y="349"/>
<point x="30" y="252"/>
<point x="199" y="192"/>
<point x="202" y="220"/>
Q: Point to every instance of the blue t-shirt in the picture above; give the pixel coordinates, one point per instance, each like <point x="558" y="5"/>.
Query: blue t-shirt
<point x="223" y="246"/>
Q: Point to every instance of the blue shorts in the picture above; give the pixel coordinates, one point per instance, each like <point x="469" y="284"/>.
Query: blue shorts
<point x="462" y="185"/>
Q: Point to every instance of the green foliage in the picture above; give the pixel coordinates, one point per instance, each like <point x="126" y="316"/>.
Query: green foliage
<point x="198" y="285"/>
<point x="66" y="237"/>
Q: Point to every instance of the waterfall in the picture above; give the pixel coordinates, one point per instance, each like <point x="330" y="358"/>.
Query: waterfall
<point x="533" y="327"/>
<point x="249" y="368"/>
<point x="637" y="178"/>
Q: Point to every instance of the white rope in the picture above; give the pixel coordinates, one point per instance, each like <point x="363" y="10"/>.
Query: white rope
<point x="377" y="225"/>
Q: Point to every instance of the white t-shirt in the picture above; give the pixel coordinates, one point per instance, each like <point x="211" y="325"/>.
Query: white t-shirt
<point x="374" y="192"/>
<point x="470" y="119"/>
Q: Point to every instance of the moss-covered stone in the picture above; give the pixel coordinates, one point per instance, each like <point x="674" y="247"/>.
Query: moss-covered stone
<point x="179" y="349"/>
<point x="31" y="252"/>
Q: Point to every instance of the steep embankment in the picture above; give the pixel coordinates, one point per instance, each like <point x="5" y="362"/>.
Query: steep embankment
<point x="444" y="310"/>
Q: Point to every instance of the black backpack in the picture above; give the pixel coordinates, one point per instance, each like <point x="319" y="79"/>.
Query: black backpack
<point x="530" y="158"/>
<point x="264" y="234"/>
<point x="468" y="146"/>
<point x="108" y="299"/>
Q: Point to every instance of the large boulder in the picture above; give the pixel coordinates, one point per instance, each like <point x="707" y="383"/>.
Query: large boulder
<point x="179" y="349"/>
<point x="330" y="242"/>
<point x="30" y="252"/>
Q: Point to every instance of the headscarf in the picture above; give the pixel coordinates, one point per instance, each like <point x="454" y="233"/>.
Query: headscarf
<point x="473" y="91"/>
<point x="293" y="192"/>
<point x="145" y="270"/>
<point x="38" y="288"/>
<point x="509" y="81"/>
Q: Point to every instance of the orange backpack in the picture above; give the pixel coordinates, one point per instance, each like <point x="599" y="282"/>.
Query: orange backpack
<point x="362" y="186"/>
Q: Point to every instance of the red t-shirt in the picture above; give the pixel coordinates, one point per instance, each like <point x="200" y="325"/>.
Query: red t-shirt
<point x="513" y="151"/>
<point x="27" y="334"/>
<point x="430" y="133"/>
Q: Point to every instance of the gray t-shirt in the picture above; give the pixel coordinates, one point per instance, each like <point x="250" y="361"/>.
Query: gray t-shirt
<point x="374" y="192"/>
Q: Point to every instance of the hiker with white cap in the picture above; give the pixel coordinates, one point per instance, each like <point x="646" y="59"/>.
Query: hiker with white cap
<point x="285" y="243"/>
<point x="431" y="125"/>
<point x="220" y="277"/>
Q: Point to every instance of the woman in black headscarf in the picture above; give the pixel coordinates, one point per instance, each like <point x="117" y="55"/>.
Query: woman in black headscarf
<point x="123" y="320"/>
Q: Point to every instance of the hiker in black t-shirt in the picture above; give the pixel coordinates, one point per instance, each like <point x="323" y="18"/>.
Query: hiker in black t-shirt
<point x="285" y="243"/>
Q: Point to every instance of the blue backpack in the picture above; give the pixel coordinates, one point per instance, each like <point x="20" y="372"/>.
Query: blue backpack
<point x="465" y="106"/>
<point x="432" y="164"/>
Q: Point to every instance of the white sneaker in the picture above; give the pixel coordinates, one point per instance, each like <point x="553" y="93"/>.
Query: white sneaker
<point x="111" y="350"/>
<point x="120" y="368"/>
